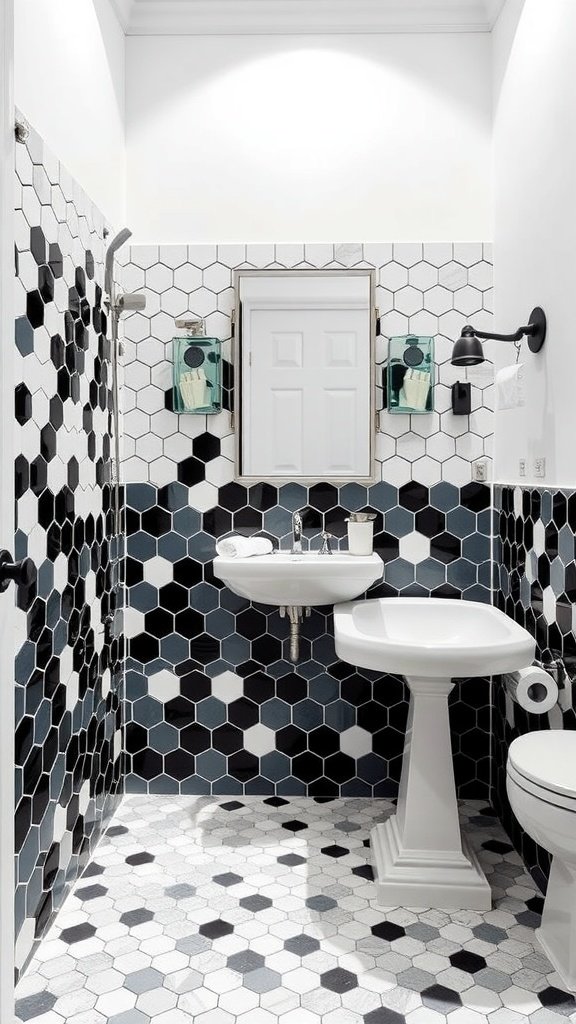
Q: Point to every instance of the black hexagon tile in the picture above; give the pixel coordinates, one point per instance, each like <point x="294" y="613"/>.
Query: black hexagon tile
<point x="535" y="583"/>
<point x="69" y="649"/>
<point x="262" y="725"/>
<point x="236" y="919"/>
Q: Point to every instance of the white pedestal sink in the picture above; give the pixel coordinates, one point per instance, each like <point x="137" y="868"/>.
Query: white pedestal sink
<point x="420" y="857"/>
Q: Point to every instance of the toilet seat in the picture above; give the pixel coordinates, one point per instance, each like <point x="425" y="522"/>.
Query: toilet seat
<point x="548" y="796"/>
<point x="544" y="764"/>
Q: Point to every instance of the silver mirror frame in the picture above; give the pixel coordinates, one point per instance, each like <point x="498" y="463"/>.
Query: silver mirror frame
<point x="237" y="363"/>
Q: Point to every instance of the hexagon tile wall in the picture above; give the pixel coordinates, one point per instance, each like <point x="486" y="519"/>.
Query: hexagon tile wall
<point x="430" y="289"/>
<point x="535" y="555"/>
<point x="213" y="704"/>
<point x="68" y="666"/>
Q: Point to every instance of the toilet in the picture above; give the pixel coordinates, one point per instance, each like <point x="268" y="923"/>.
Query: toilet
<point x="541" y="785"/>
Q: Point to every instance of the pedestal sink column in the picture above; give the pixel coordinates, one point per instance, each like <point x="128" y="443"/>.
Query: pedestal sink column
<point x="420" y="857"/>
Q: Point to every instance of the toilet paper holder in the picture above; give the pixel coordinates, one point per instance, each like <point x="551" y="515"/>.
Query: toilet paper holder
<point x="555" y="668"/>
<point x="536" y="688"/>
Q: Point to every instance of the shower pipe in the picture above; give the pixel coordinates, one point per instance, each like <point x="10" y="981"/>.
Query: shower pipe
<point x="118" y="303"/>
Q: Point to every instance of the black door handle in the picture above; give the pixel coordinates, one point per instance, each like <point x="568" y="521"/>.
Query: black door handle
<point x="23" y="573"/>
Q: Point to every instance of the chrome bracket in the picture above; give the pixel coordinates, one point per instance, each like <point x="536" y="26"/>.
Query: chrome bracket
<point x="21" y="131"/>
<point x="556" y="669"/>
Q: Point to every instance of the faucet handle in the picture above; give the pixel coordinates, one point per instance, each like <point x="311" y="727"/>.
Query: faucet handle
<point x="326" y="538"/>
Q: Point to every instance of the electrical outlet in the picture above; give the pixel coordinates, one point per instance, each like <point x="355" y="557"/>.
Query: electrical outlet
<point x="540" y="467"/>
<point x="480" y="471"/>
<point x="522" y="467"/>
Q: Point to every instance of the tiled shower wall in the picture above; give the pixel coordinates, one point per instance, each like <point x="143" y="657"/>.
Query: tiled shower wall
<point x="214" y="705"/>
<point x="535" y="556"/>
<point x="69" y="656"/>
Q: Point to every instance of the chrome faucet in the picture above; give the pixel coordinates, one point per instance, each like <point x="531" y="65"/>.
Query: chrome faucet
<point x="297" y="534"/>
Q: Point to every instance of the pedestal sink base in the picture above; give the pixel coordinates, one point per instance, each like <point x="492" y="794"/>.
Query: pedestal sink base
<point x="414" y="878"/>
<point x="420" y="856"/>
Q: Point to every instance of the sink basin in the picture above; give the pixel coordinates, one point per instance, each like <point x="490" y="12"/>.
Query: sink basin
<point x="431" y="636"/>
<point x="284" y="579"/>
<point x="420" y="857"/>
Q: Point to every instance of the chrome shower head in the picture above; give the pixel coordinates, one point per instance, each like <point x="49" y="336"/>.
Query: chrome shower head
<point x="116" y="243"/>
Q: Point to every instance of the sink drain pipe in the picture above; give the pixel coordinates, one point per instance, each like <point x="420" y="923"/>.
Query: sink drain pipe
<point x="295" y="615"/>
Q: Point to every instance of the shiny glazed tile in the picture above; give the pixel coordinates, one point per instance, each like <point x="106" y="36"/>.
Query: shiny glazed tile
<point x="535" y="584"/>
<point x="68" y="631"/>
<point x="262" y="911"/>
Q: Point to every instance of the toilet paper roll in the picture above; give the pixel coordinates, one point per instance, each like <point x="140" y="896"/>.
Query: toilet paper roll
<point x="533" y="689"/>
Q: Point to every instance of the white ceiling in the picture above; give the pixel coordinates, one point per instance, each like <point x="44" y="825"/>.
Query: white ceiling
<point x="278" y="17"/>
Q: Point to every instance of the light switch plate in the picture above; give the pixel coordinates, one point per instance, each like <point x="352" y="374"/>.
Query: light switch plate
<point x="540" y="467"/>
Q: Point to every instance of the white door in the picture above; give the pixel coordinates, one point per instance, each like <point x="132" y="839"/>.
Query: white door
<point x="6" y="511"/>
<point x="306" y="386"/>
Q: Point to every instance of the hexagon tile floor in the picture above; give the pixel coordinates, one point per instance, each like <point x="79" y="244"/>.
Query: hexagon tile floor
<point x="262" y="911"/>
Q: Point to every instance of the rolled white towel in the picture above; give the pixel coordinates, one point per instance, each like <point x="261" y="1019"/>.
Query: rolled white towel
<point x="243" y="547"/>
<point x="510" y="390"/>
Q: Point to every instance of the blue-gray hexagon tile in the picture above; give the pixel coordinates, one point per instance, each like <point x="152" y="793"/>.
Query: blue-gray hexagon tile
<point x="192" y="625"/>
<point x="535" y="573"/>
<point x="68" y="683"/>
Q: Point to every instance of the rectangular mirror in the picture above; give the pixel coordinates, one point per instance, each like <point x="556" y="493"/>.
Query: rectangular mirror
<point x="305" y="375"/>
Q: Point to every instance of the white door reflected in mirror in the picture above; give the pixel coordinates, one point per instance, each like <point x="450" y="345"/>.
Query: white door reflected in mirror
<point x="305" y="362"/>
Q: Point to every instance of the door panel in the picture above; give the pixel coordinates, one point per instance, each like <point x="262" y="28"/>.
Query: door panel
<point x="307" y="375"/>
<point x="340" y="413"/>
<point x="285" y="455"/>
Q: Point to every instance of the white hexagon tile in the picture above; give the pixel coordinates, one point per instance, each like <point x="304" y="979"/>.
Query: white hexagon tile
<point x="429" y="289"/>
<point x="535" y="584"/>
<point x="234" y="885"/>
<point x="198" y="910"/>
<point x="245" y="720"/>
<point x="69" y="644"/>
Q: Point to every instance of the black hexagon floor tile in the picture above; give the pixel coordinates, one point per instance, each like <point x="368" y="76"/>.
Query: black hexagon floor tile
<point x="236" y="919"/>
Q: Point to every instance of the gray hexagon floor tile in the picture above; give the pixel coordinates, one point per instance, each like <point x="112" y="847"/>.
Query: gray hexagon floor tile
<point x="223" y="912"/>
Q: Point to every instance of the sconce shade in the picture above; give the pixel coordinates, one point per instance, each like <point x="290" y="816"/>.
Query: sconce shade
<point x="467" y="351"/>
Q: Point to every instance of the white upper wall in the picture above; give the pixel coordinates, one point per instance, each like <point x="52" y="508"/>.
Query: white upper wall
<point x="69" y="82"/>
<point x="300" y="138"/>
<point x="535" y="227"/>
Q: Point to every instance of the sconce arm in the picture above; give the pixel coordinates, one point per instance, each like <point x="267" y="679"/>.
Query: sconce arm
<point x="535" y="330"/>
<point x="470" y="331"/>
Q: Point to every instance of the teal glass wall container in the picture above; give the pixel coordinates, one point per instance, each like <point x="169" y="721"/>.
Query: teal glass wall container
<point x="197" y="371"/>
<point x="410" y="374"/>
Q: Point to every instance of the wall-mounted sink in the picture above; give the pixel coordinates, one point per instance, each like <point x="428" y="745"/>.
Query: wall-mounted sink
<point x="420" y="857"/>
<point x="304" y="579"/>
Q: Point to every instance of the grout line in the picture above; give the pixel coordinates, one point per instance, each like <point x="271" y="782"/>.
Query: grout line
<point x="491" y="683"/>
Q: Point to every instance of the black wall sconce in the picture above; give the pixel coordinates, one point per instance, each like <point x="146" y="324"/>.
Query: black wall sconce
<point x="469" y="351"/>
